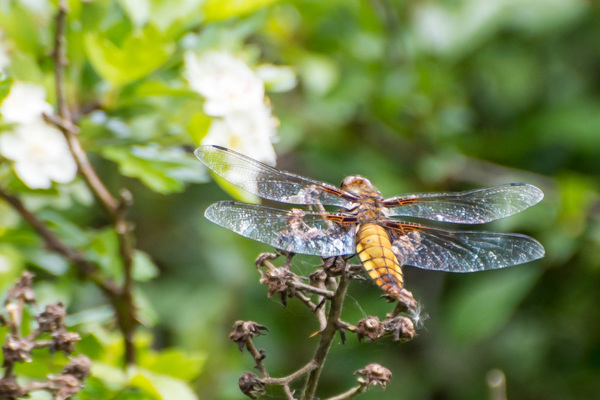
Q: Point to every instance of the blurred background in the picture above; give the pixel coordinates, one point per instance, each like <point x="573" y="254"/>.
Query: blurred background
<point x="415" y="95"/>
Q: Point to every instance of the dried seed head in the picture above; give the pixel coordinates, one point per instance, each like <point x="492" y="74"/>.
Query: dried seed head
<point x="276" y="280"/>
<point x="52" y="318"/>
<point x="64" y="386"/>
<point x="334" y="266"/>
<point x="317" y="278"/>
<point x="10" y="389"/>
<point x="79" y="367"/>
<point x="262" y="257"/>
<point x="16" y="349"/>
<point x="402" y="328"/>
<point x="251" y="385"/>
<point x="22" y="289"/>
<point x="369" y="327"/>
<point x="65" y="341"/>
<point x="243" y="330"/>
<point x="406" y="301"/>
<point x="374" y="374"/>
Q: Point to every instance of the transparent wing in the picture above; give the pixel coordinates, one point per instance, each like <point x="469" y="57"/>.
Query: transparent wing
<point x="295" y="231"/>
<point x="461" y="251"/>
<point x="267" y="182"/>
<point x="471" y="207"/>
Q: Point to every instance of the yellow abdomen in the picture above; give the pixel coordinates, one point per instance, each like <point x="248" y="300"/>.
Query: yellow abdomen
<point x="374" y="250"/>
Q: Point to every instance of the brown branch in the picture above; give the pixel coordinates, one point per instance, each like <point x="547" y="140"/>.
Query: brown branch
<point x="123" y="304"/>
<point x="288" y="392"/>
<point x="258" y="357"/>
<point x="306" y="300"/>
<point x="327" y="336"/>
<point x="350" y="393"/>
<point x="286" y="380"/>
<point x="301" y="286"/>
<point x="86" y="268"/>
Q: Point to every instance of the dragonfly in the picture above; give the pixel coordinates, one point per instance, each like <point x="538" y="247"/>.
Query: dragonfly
<point x="367" y="225"/>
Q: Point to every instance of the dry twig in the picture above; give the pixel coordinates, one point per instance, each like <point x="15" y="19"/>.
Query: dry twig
<point x="327" y="304"/>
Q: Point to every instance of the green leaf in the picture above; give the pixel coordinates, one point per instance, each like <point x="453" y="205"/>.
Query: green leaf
<point x="5" y="84"/>
<point x="71" y="234"/>
<point x="20" y="26"/>
<point x="11" y="265"/>
<point x="160" y="88"/>
<point x="484" y="304"/>
<point x="216" y="10"/>
<point x="143" y="267"/>
<point x="51" y="262"/>
<point x="104" y="251"/>
<point x="162" y="170"/>
<point x="140" y="54"/>
<point x="174" y="363"/>
<point x="198" y="127"/>
<point x="161" y="386"/>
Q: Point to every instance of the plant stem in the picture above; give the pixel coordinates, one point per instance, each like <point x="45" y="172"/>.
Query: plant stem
<point x="327" y="336"/>
<point x="122" y="300"/>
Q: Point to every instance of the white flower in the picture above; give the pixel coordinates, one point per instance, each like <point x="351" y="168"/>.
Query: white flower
<point x="40" y="7"/>
<point x="226" y="82"/>
<point x="25" y="103"/>
<point x="249" y="132"/>
<point x="40" y="154"/>
<point x="277" y="78"/>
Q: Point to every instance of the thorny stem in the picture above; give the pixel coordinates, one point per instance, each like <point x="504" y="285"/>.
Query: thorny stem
<point x="121" y="298"/>
<point x="327" y="336"/>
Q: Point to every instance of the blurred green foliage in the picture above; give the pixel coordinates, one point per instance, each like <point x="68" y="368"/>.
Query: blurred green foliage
<point x="418" y="96"/>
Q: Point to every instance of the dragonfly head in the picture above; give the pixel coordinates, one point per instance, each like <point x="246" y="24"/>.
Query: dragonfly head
<point x="358" y="185"/>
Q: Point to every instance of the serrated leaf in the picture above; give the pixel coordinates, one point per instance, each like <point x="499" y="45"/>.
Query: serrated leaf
<point x="162" y="170"/>
<point x="483" y="305"/>
<point x="140" y="54"/>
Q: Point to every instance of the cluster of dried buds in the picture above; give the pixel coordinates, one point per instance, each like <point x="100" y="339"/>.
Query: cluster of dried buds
<point x="18" y="348"/>
<point x="322" y="286"/>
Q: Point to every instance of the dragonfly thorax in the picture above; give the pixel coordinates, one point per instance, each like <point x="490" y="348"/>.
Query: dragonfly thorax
<point x="368" y="206"/>
<point x="359" y="186"/>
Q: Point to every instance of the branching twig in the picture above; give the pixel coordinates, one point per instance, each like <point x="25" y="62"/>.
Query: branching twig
<point x="123" y="303"/>
<point x="19" y="349"/>
<point x="286" y="380"/>
<point x="327" y="336"/>
<point x="337" y="274"/>
<point x="350" y="393"/>
<point x="86" y="268"/>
